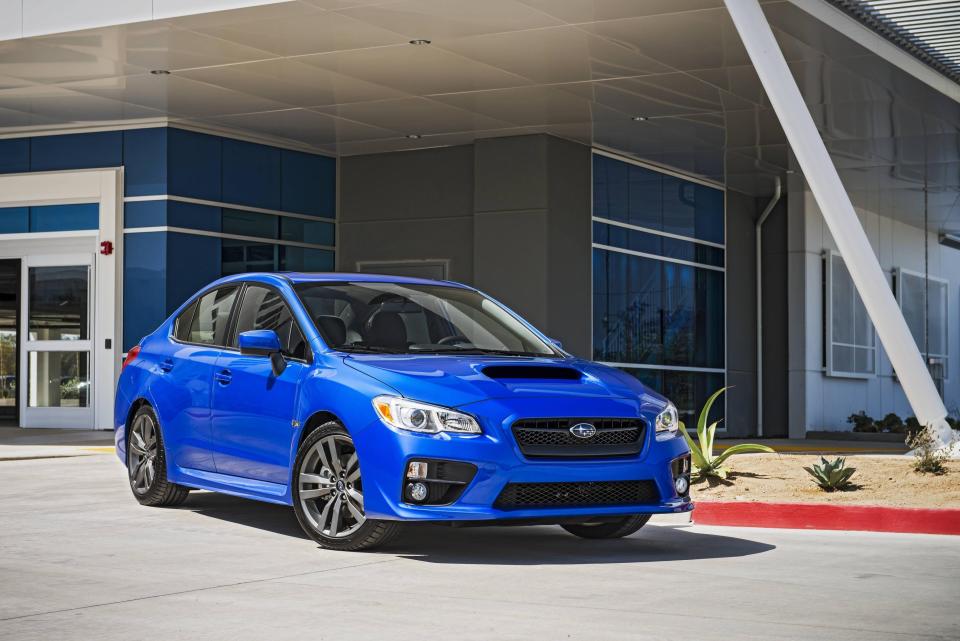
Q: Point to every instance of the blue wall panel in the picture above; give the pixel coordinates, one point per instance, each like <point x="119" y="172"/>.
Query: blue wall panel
<point x="65" y="217"/>
<point x="251" y="174"/>
<point x="192" y="262"/>
<point x="144" y="285"/>
<point x="14" y="155"/>
<point x="145" y="161"/>
<point x="193" y="168"/>
<point x="307" y="184"/>
<point x="145" y="213"/>
<point x="14" y="220"/>
<point x="76" y="151"/>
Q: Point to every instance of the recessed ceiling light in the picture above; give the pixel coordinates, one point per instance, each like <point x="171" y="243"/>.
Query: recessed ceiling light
<point x="419" y="41"/>
<point x="413" y="136"/>
<point x="160" y="72"/>
<point x="638" y="118"/>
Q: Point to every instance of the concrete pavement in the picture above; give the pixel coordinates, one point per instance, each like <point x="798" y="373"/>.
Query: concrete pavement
<point x="80" y="559"/>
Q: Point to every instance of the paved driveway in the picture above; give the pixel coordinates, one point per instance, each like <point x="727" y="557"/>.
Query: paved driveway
<point x="79" y="559"/>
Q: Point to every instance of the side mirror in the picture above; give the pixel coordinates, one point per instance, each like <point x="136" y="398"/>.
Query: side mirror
<point x="263" y="342"/>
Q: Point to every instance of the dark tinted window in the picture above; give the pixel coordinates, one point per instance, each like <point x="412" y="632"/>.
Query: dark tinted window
<point x="212" y="317"/>
<point x="264" y="308"/>
<point x="181" y="329"/>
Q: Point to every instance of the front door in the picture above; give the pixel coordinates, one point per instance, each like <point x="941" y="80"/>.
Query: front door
<point x="9" y="331"/>
<point x="56" y="328"/>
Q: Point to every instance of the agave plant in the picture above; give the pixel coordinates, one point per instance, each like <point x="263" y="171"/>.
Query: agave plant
<point x="703" y="459"/>
<point x="831" y="475"/>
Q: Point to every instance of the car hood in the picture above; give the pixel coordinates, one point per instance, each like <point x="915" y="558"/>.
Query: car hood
<point x="454" y="381"/>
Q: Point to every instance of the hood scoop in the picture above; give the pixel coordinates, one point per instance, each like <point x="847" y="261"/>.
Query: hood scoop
<point x="532" y="372"/>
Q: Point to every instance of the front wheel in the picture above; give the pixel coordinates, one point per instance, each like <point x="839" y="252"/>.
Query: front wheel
<point x="608" y="529"/>
<point x="328" y="493"/>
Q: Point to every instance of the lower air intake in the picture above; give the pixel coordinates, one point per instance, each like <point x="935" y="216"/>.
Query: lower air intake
<point x="577" y="494"/>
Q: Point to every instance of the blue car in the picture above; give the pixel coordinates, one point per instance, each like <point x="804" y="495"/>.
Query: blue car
<point x="367" y="402"/>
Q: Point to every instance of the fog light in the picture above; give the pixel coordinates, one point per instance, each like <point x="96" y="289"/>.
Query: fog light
<point x="417" y="491"/>
<point x="682" y="484"/>
<point x="416" y="470"/>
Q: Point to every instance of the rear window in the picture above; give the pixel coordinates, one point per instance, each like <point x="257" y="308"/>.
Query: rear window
<point x="181" y="327"/>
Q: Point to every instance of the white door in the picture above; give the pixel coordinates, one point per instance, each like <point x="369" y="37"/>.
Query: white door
<point x="57" y="327"/>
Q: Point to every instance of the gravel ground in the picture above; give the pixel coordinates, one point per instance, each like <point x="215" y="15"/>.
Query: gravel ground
<point x="879" y="480"/>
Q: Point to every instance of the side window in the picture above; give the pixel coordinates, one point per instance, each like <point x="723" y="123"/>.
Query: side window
<point x="181" y="328"/>
<point x="212" y="316"/>
<point x="264" y="308"/>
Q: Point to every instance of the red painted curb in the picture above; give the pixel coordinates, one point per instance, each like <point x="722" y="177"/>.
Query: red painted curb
<point x="812" y="516"/>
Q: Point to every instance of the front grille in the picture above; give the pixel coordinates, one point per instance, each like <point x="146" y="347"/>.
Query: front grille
<point x="547" y="437"/>
<point x="577" y="494"/>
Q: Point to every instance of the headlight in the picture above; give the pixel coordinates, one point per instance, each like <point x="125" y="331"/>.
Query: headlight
<point x="422" y="417"/>
<point x="667" y="422"/>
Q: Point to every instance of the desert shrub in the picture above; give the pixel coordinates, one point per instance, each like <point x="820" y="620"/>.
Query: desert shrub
<point x="913" y="427"/>
<point x="928" y="455"/>
<point x="831" y="475"/>
<point x="892" y="423"/>
<point x="862" y="423"/>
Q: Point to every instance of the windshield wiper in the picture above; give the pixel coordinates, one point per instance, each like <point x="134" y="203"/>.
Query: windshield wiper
<point x="367" y="349"/>
<point x="444" y="349"/>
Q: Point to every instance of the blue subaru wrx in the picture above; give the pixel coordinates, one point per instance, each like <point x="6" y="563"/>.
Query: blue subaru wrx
<point x="366" y="402"/>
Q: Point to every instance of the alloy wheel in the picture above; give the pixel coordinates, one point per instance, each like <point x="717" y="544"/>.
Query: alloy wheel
<point x="330" y="489"/>
<point x="144" y="447"/>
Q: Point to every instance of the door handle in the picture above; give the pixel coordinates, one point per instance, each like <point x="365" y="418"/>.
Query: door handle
<point x="166" y="366"/>
<point x="223" y="377"/>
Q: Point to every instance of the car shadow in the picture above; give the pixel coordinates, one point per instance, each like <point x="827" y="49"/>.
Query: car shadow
<point x="494" y="545"/>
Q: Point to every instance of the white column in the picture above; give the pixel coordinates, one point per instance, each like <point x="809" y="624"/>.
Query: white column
<point x="852" y="242"/>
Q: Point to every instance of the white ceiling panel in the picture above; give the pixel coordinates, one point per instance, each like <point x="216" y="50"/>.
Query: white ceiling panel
<point x="305" y="126"/>
<point x="575" y="11"/>
<point x="312" y="32"/>
<point x="524" y="106"/>
<point x="436" y="19"/>
<point x="293" y="82"/>
<point x="417" y="116"/>
<point x="417" y="70"/>
<point x="33" y="61"/>
<point x="174" y="95"/>
<point x="564" y="54"/>
<point x="64" y="106"/>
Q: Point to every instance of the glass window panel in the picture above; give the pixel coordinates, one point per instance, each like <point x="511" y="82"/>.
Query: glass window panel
<point x="239" y="256"/>
<point x="611" y="188"/>
<point x="182" y="327"/>
<point x="58" y="379"/>
<point x="301" y="230"/>
<point x="635" y="240"/>
<point x="210" y="321"/>
<point x="646" y="200"/>
<point x="689" y="391"/>
<point x="657" y="313"/>
<point x="248" y="223"/>
<point x="709" y="214"/>
<point x="302" y="259"/>
<point x="58" y="306"/>
<point x="264" y="308"/>
<point x="851" y="335"/>
<point x="65" y="217"/>
<point x="679" y="206"/>
<point x="929" y="330"/>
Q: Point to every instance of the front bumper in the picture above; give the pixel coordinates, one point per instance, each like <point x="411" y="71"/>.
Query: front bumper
<point x="385" y="452"/>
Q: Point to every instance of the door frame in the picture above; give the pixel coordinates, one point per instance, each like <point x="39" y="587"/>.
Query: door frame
<point x="103" y="186"/>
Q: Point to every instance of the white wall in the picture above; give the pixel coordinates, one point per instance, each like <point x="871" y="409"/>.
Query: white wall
<point x="821" y="402"/>
<point x="25" y="18"/>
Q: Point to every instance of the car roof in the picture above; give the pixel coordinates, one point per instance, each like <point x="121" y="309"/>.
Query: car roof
<point x="342" y="277"/>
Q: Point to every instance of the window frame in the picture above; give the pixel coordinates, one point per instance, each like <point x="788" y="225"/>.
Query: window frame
<point x="829" y="369"/>
<point x="898" y="273"/>
<point x="194" y="303"/>
<point x="232" y="335"/>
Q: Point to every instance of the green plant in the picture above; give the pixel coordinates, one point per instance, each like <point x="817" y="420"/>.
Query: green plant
<point x="831" y="475"/>
<point x="702" y="453"/>
<point x="862" y="423"/>
<point x="892" y="423"/>
<point x="927" y="453"/>
<point x="913" y="427"/>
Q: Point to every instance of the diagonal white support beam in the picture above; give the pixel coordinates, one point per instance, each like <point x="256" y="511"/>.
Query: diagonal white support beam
<point x="824" y="181"/>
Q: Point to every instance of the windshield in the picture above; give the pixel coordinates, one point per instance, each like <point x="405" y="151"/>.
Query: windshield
<point x="397" y="318"/>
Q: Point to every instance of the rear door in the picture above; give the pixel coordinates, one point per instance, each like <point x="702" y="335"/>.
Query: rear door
<point x="253" y="409"/>
<point x="184" y="377"/>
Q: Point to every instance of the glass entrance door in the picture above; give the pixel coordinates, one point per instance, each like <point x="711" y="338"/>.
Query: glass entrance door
<point x="9" y="329"/>
<point x="57" y="304"/>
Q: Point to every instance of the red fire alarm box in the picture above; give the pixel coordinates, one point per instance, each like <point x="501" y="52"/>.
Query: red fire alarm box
<point x="106" y="248"/>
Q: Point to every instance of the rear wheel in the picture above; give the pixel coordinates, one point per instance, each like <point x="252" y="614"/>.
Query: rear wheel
<point x="147" y="462"/>
<point x="328" y="493"/>
<point x="608" y="529"/>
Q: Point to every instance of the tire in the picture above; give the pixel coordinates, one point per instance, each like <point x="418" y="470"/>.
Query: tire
<point x="608" y="529"/>
<point x="147" y="462"/>
<point x="327" y="493"/>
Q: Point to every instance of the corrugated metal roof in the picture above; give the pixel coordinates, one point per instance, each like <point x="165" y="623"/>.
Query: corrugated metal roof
<point x="928" y="29"/>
